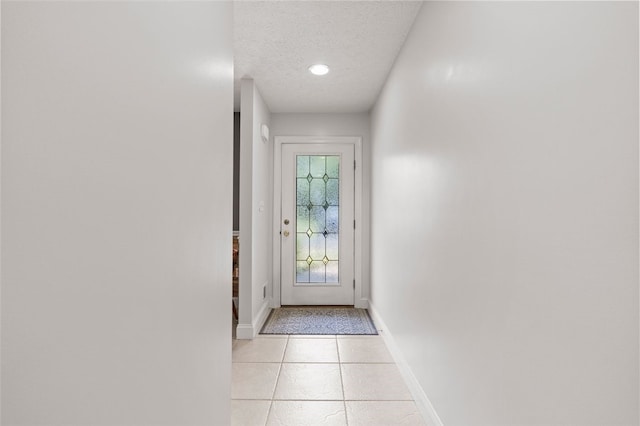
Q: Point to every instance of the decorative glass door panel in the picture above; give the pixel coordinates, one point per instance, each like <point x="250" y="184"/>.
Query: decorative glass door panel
<point x="317" y="218"/>
<point x="317" y="248"/>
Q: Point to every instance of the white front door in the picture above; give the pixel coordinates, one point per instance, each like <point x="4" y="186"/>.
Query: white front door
<point x="317" y="224"/>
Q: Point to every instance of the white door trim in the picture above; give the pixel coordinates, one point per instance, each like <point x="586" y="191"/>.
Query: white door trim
<point x="356" y="141"/>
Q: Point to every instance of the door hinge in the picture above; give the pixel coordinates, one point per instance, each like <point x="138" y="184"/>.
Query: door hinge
<point x="354" y="164"/>
<point x="354" y="284"/>
<point x="354" y="224"/>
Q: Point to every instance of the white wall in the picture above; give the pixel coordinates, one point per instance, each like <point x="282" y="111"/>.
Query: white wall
<point x="116" y="213"/>
<point x="505" y="211"/>
<point x="356" y="124"/>
<point x="256" y="201"/>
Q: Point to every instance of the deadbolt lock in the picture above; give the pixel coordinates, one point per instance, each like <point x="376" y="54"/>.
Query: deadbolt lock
<point x="286" y="221"/>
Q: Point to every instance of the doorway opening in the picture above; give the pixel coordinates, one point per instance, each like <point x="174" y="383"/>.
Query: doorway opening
<point x="317" y="206"/>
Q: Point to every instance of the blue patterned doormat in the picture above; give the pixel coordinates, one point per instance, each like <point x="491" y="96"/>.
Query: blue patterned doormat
<point x="318" y="320"/>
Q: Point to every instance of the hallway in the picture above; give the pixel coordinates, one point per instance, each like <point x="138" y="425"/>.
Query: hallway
<point x="496" y="232"/>
<point x="318" y="380"/>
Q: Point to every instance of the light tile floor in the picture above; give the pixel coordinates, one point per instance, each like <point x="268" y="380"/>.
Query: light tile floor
<point x="318" y="380"/>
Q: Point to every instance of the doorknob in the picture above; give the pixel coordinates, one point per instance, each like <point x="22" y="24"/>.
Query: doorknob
<point x="286" y="221"/>
<point x="286" y="233"/>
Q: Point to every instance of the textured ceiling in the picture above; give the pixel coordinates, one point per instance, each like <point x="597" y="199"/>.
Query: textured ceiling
<point x="276" y="41"/>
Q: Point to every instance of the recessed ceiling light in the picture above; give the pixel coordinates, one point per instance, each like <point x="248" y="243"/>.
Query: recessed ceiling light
<point x="319" y="69"/>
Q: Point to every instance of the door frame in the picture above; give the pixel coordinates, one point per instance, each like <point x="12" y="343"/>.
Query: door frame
<point x="356" y="141"/>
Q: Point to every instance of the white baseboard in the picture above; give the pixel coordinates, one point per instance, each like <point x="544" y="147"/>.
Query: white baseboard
<point x="261" y="317"/>
<point x="244" y="332"/>
<point x="361" y="304"/>
<point x="419" y="396"/>
<point x="249" y="331"/>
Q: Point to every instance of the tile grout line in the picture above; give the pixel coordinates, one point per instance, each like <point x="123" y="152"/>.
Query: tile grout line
<point x="325" y="400"/>
<point x="344" y="403"/>
<point x="273" y="395"/>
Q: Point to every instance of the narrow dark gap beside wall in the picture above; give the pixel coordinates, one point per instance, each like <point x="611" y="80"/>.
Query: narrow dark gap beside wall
<point x="236" y="171"/>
